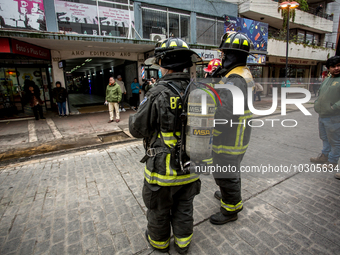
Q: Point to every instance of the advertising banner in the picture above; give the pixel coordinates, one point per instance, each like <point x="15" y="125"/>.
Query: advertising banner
<point x="83" y="19"/>
<point x="23" y="14"/>
<point x="255" y="30"/>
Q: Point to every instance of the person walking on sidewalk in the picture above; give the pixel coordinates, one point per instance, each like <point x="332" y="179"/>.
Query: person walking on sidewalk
<point x="135" y="87"/>
<point x="231" y="142"/>
<point x="328" y="107"/>
<point x="33" y="97"/>
<point x="60" y="95"/>
<point x="258" y="91"/>
<point x="168" y="192"/>
<point x="113" y="97"/>
<point x="122" y="88"/>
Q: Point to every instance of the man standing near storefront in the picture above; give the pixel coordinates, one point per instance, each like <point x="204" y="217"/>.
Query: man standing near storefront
<point x="122" y="88"/>
<point x="60" y="95"/>
<point x="113" y="97"/>
<point x="328" y="107"/>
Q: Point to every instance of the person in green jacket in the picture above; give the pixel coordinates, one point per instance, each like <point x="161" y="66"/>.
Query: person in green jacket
<point x="113" y="97"/>
<point x="328" y="107"/>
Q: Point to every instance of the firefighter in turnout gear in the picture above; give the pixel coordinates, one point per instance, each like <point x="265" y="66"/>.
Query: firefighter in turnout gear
<point x="231" y="140"/>
<point x="168" y="192"/>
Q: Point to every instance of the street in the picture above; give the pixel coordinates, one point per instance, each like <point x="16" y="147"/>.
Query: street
<point x="90" y="202"/>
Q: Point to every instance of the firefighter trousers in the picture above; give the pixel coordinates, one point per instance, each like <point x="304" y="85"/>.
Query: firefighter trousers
<point x="230" y="187"/>
<point x="170" y="206"/>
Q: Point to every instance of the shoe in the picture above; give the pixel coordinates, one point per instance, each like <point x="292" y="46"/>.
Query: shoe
<point x="43" y="118"/>
<point x="218" y="195"/>
<point x="321" y="158"/>
<point x="181" y="250"/>
<point x="160" y="250"/>
<point x="123" y="110"/>
<point x="120" y="110"/>
<point x="110" y="121"/>
<point x="117" y="120"/>
<point x="330" y="166"/>
<point x="134" y="109"/>
<point x="337" y="176"/>
<point x="220" y="219"/>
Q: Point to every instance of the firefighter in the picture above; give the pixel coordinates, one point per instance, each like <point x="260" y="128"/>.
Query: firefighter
<point x="168" y="192"/>
<point x="212" y="66"/>
<point x="231" y="140"/>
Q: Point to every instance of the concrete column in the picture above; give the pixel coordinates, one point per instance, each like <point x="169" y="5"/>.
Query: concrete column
<point x="50" y="16"/>
<point x="193" y="34"/>
<point x="137" y="8"/>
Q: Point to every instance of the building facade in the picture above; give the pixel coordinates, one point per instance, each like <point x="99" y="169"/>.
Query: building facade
<point x="84" y="42"/>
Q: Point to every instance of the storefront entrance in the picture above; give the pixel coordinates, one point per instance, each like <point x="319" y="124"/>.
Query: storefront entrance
<point x="87" y="78"/>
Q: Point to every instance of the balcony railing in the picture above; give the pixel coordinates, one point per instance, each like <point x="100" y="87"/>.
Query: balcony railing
<point x="312" y="10"/>
<point x="280" y="35"/>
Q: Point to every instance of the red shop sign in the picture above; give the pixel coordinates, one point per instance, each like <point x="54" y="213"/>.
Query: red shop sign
<point x="30" y="50"/>
<point x="4" y="45"/>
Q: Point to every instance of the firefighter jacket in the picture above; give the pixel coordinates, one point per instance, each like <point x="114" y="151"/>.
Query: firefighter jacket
<point x="232" y="139"/>
<point x="156" y="121"/>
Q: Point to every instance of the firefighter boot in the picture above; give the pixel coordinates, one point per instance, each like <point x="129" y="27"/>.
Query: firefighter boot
<point x="218" y="195"/>
<point x="160" y="250"/>
<point x="321" y="158"/>
<point x="181" y="250"/>
<point x="220" y="219"/>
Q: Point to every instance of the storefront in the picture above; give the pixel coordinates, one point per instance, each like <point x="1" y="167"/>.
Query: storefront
<point x="20" y="61"/>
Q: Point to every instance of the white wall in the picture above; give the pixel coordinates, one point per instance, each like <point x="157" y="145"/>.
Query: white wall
<point x="278" y="48"/>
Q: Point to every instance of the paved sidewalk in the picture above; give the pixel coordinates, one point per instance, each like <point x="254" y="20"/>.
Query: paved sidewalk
<point x="90" y="202"/>
<point x="20" y="139"/>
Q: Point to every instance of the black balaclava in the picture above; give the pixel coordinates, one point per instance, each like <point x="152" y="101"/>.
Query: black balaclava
<point x="234" y="58"/>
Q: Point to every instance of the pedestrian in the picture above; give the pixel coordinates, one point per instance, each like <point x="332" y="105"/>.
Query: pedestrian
<point x="231" y="141"/>
<point x="33" y="97"/>
<point x="122" y="88"/>
<point x="318" y="9"/>
<point x="168" y="192"/>
<point x="258" y="91"/>
<point x="285" y="84"/>
<point x="328" y="107"/>
<point x="136" y="90"/>
<point x="60" y="95"/>
<point x="212" y="66"/>
<point x="113" y="97"/>
<point x="150" y="84"/>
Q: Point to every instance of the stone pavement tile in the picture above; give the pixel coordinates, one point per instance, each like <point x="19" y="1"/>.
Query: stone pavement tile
<point x="282" y="250"/>
<point x="10" y="246"/>
<point x="58" y="249"/>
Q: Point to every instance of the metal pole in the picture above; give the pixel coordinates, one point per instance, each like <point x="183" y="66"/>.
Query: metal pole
<point x="287" y="46"/>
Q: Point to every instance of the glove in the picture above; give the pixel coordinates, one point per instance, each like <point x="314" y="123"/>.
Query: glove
<point x="106" y="103"/>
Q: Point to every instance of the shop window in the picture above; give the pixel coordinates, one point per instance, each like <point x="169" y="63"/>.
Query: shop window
<point x="309" y="38"/>
<point x="301" y="36"/>
<point x="185" y="28"/>
<point x="154" y="23"/>
<point x="174" y="25"/>
<point x="316" y="40"/>
<point x="205" y="30"/>
<point x="256" y="71"/>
